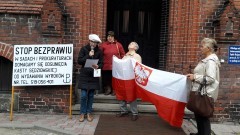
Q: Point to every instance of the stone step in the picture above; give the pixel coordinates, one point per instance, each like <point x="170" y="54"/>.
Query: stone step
<point x="113" y="108"/>
<point x="107" y="104"/>
<point x="106" y="108"/>
<point x="101" y="98"/>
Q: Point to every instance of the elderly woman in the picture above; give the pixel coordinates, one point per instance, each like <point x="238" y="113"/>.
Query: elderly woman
<point x="208" y="67"/>
<point x="88" y="83"/>
<point x="132" y="48"/>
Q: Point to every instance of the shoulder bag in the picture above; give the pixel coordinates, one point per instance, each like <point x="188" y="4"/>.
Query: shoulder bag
<point x="199" y="102"/>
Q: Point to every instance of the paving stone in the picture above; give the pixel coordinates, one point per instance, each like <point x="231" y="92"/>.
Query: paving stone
<point x="39" y="124"/>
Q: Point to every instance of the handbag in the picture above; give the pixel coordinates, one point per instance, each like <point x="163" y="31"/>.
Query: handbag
<point x="199" y="102"/>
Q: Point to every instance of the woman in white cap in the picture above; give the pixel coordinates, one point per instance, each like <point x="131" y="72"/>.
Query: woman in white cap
<point x="87" y="83"/>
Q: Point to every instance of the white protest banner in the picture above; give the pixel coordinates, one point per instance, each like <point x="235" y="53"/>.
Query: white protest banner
<point x="49" y="64"/>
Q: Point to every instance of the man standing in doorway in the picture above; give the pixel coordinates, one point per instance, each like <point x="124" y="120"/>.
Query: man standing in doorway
<point x="132" y="48"/>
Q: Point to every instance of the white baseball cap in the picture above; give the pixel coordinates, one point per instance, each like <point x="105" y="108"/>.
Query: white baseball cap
<point x="94" y="38"/>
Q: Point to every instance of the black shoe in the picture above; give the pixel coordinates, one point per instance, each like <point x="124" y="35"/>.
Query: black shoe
<point x="121" y="114"/>
<point x="193" y="134"/>
<point x="134" y="117"/>
<point x="108" y="90"/>
<point x="113" y="93"/>
<point x="107" y="93"/>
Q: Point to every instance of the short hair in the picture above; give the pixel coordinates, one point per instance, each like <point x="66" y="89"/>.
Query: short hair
<point x="211" y="43"/>
<point x="111" y="33"/>
<point x="137" y="47"/>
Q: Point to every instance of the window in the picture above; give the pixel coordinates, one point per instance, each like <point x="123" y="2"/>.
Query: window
<point x="149" y="24"/>
<point x="125" y="21"/>
<point x="116" y="21"/>
<point x="141" y="22"/>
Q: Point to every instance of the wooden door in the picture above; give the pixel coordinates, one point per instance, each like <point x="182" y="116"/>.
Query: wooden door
<point x="139" y="21"/>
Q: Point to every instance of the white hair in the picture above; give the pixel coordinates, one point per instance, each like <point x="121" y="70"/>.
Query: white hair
<point x="136" y="45"/>
<point x="211" y="43"/>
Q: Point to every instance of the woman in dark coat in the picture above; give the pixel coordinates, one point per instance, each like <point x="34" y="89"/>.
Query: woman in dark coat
<point x="87" y="83"/>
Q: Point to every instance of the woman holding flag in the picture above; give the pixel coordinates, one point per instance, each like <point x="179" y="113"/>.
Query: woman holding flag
<point x="208" y="67"/>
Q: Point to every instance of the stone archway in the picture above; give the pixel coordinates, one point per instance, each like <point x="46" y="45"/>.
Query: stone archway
<point x="6" y="50"/>
<point x="6" y="58"/>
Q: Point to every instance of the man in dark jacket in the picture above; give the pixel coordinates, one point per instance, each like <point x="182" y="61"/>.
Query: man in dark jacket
<point x="88" y="83"/>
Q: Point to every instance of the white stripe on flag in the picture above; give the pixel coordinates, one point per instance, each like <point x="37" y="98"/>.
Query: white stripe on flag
<point x="166" y="84"/>
<point x="122" y="69"/>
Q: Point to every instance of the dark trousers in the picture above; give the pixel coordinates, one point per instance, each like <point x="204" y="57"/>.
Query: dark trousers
<point x="203" y="125"/>
<point x="107" y="78"/>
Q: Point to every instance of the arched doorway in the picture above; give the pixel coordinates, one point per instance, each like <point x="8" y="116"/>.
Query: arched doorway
<point x="140" y="21"/>
<point x="5" y="75"/>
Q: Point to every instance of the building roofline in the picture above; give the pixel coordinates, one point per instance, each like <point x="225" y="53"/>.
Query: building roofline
<point x="18" y="7"/>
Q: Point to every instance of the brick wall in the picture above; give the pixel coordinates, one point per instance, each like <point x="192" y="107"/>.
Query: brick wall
<point x="49" y="22"/>
<point x="44" y="99"/>
<point x="189" y="23"/>
<point x="83" y="18"/>
<point x="164" y="34"/>
<point x="183" y="35"/>
<point x="70" y="21"/>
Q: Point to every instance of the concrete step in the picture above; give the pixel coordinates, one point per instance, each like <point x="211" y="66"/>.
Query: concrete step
<point x="106" y="108"/>
<point x="112" y="108"/>
<point x="101" y="98"/>
<point x="107" y="104"/>
<point x="102" y="108"/>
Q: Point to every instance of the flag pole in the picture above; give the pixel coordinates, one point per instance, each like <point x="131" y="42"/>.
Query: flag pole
<point x="70" y="102"/>
<point x="12" y="100"/>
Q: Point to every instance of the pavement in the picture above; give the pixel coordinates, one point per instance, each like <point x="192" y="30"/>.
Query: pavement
<point x="45" y="124"/>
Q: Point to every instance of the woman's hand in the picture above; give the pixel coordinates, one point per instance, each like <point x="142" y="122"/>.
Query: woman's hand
<point x="95" y="66"/>
<point x="91" y="53"/>
<point x="190" y="77"/>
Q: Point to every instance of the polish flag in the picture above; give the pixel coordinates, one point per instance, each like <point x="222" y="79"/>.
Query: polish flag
<point x="123" y="80"/>
<point x="167" y="91"/>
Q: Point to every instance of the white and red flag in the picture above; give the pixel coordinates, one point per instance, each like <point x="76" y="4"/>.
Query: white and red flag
<point x="167" y="91"/>
<point x="123" y="80"/>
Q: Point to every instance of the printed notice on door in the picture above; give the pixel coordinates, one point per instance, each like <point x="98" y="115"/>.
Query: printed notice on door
<point x="35" y="65"/>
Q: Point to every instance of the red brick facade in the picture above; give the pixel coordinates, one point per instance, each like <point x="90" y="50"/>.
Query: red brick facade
<point x="191" y="21"/>
<point x="70" y="21"/>
<point x="48" y="22"/>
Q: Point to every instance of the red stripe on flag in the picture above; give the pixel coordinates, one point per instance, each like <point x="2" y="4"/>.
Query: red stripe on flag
<point x="124" y="89"/>
<point x="170" y="110"/>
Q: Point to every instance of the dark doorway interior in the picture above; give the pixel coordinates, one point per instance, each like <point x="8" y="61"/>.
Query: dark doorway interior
<point x="5" y="75"/>
<point x="137" y="20"/>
